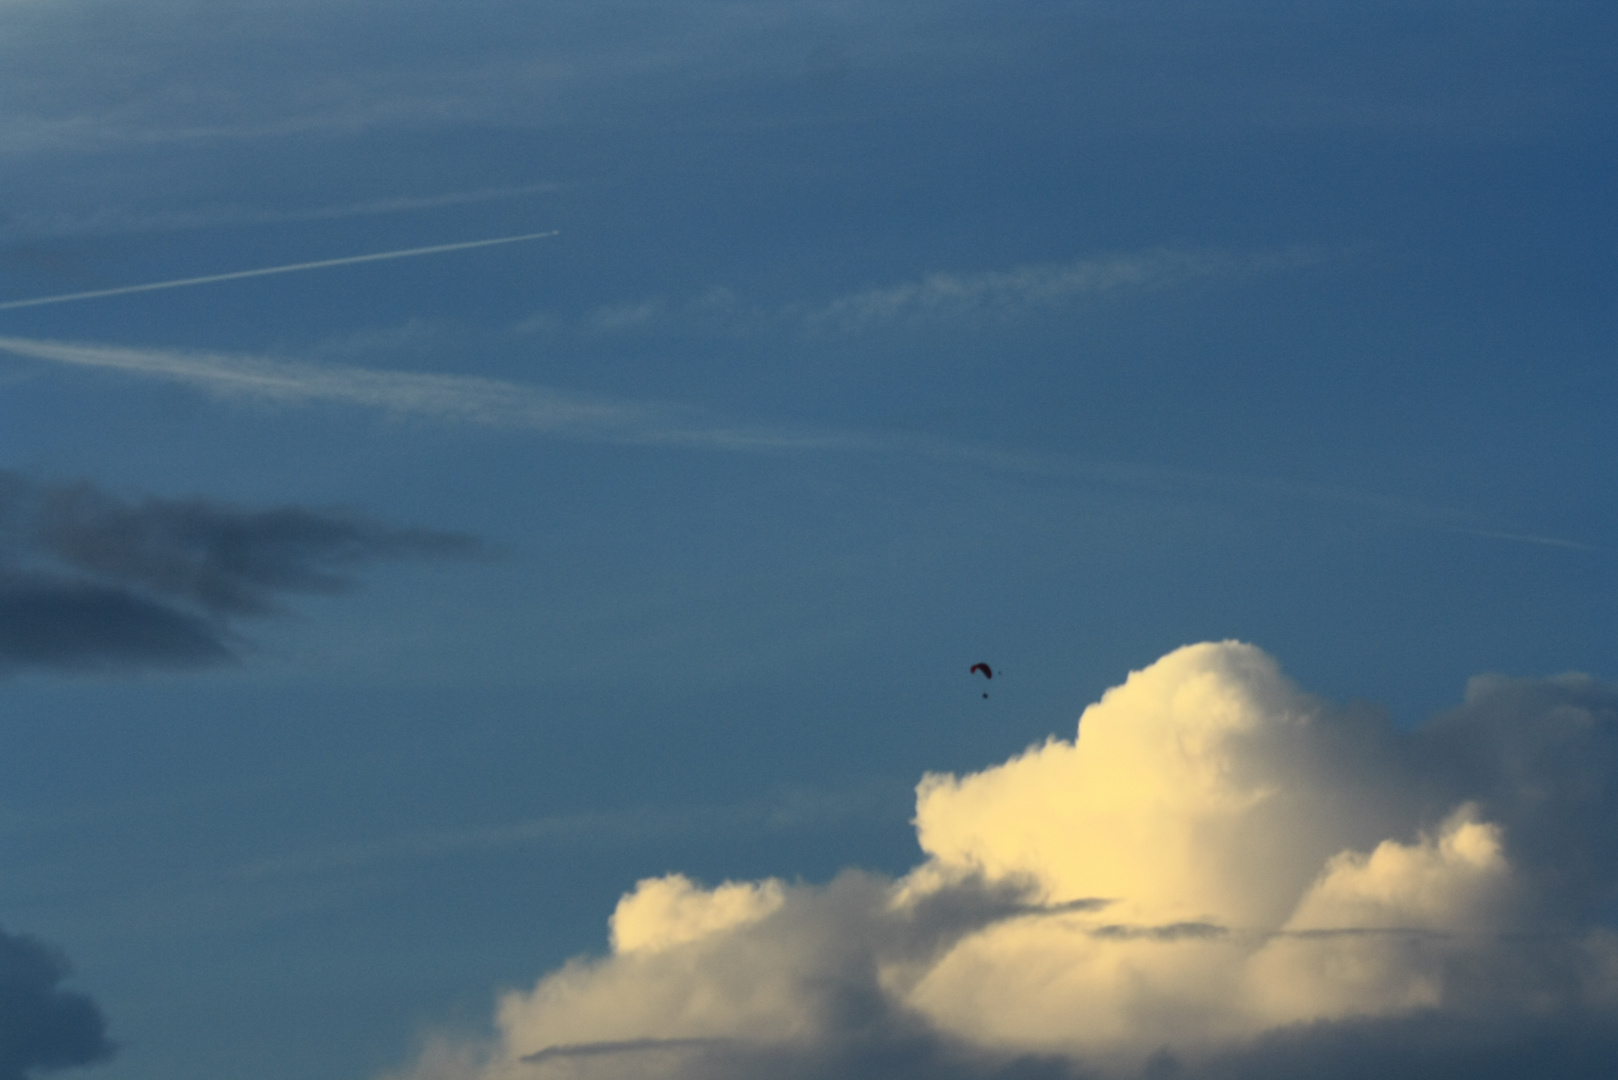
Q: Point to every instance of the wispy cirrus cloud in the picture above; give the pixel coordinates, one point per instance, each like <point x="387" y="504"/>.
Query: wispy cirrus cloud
<point x="792" y="810"/>
<point x="1019" y="291"/>
<point x="457" y="398"/>
<point x="129" y="220"/>
<point x="1045" y="286"/>
<point x="472" y="399"/>
<point x="176" y="73"/>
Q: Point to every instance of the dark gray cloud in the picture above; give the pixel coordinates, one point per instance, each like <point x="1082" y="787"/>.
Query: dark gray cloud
<point x="1425" y="1046"/>
<point x="43" y="1027"/>
<point x="1428" y="1046"/>
<point x="887" y="1051"/>
<point x="887" y="1044"/>
<point x="68" y="624"/>
<point x="89" y="580"/>
<point x="1541" y="757"/>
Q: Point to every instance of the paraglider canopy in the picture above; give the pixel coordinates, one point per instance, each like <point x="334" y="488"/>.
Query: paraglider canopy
<point x="988" y="672"/>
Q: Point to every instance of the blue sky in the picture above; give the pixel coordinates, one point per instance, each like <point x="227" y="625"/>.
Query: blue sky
<point x="369" y="631"/>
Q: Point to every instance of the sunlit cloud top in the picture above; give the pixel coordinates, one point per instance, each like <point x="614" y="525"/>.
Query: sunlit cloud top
<point x="1214" y="860"/>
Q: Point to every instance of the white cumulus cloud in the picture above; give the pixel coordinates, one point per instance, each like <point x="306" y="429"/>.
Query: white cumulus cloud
<point x="1218" y="876"/>
<point x="668" y="911"/>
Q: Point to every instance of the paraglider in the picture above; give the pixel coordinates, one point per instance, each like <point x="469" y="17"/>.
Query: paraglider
<point x="988" y="673"/>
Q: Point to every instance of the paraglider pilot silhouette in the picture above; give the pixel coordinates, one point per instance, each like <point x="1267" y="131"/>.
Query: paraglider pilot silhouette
<point x="988" y="673"/>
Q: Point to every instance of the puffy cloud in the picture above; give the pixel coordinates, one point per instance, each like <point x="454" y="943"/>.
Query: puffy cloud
<point x="1219" y="876"/>
<point x="43" y="1026"/>
<point x="668" y="911"/>
<point x="90" y="580"/>
<point x="1378" y="933"/>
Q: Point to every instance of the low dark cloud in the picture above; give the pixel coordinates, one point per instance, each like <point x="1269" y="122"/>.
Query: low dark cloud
<point x="888" y="1051"/>
<point x="1541" y="757"/>
<point x="891" y="1046"/>
<point x="89" y="580"/>
<point x="43" y="1027"/>
<point x="72" y="624"/>
<point x="877" y="1042"/>
<point x="1426" y="1046"/>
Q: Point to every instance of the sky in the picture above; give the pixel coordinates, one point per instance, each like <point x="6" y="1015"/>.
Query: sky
<point x="499" y="504"/>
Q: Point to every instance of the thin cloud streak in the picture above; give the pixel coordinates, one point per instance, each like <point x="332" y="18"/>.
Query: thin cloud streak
<point x="1022" y="291"/>
<point x="563" y="414"/>
<point x="319" y="264"/>
<point x="1040" y="286"/>
<point x="463" y="398"/>
<point x="622" y="1046"/>
<point x="792" y="811"/>
<point x="123" y="221"/>
<point x="499" y="403"/>
<point x="1528" y="538"/>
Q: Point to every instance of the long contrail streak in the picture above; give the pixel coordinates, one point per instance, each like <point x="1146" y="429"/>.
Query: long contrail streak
<point x="317" y="265"/>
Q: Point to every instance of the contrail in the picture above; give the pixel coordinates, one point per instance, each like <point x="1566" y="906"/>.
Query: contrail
<point x="317" y="265"/>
